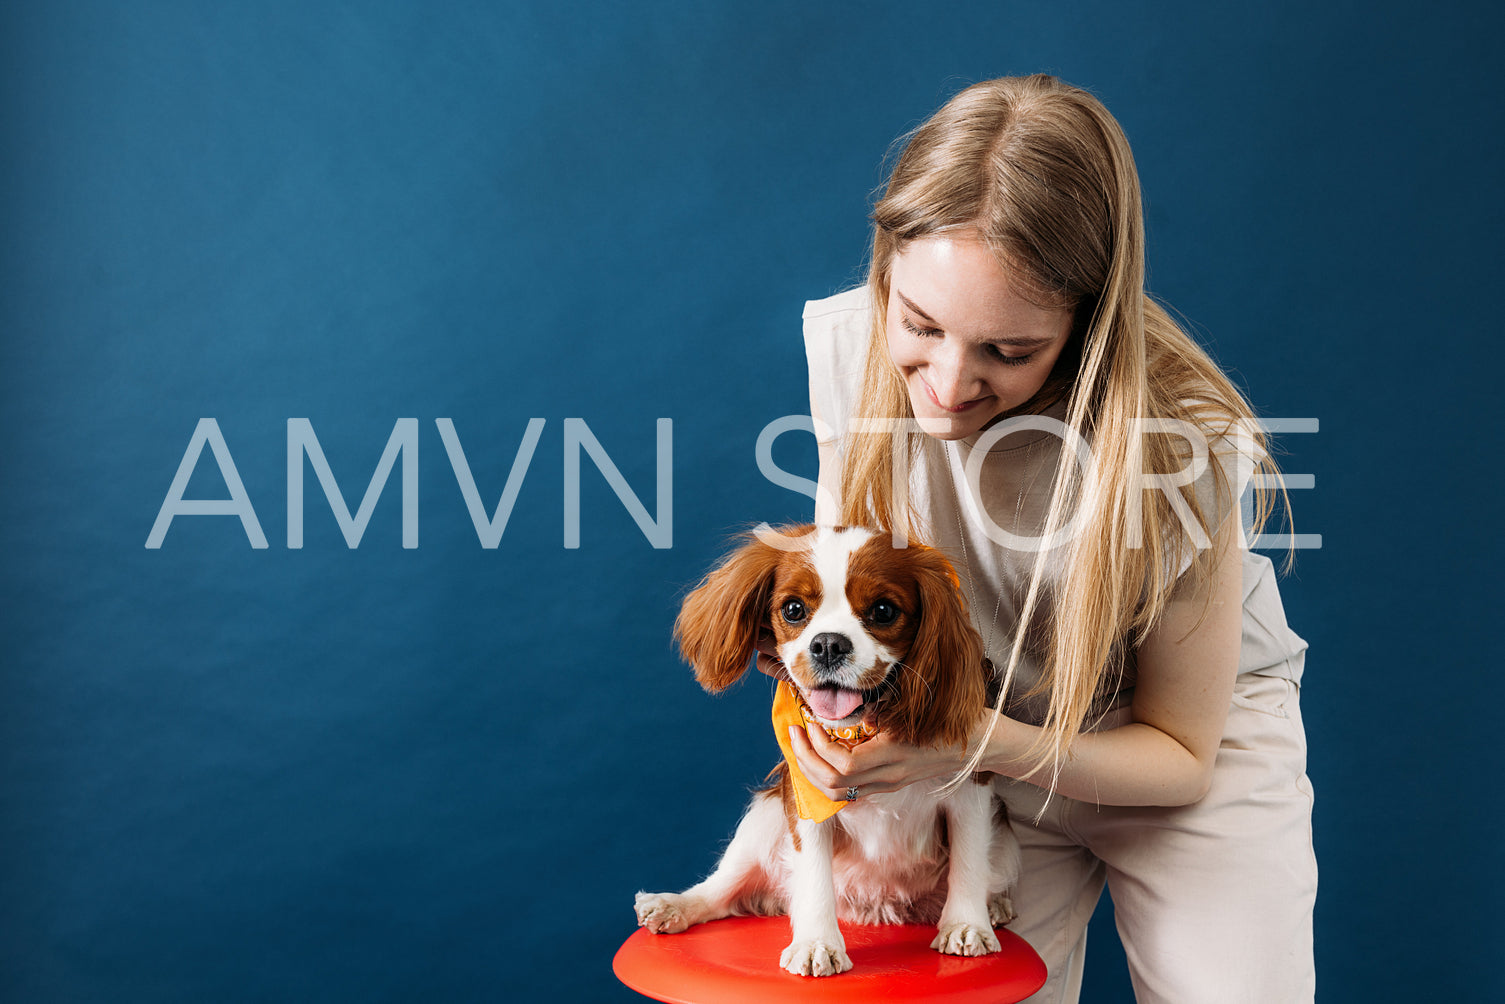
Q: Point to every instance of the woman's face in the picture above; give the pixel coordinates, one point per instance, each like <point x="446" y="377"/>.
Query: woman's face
<point x="968" y="346"/>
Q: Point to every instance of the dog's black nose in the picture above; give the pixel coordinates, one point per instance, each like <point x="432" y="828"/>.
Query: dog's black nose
<point x="829" y="649"/>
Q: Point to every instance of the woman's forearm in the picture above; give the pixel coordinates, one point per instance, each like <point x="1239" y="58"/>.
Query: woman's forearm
<point x="1135" y="764"/>
<point x="1186" y="667"/>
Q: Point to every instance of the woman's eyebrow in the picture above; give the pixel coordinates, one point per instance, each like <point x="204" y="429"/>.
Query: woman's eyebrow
<point x="914" y="308"/>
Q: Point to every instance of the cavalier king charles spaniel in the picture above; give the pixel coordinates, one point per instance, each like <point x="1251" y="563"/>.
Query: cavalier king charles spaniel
<point x="874" y="639"/>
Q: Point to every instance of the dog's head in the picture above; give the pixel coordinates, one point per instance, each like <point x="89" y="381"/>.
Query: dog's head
<point x="866" y="630"/>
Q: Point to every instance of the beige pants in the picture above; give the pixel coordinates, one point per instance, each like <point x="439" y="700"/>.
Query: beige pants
<point x="1213" y="901"/>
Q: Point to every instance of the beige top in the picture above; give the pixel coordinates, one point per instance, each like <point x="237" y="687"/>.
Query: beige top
<point x="1015" y="474"/>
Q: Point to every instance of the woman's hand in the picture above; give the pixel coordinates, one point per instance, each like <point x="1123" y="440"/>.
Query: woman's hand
<point x="768" y="656"/>
<point x="880" y="764"/>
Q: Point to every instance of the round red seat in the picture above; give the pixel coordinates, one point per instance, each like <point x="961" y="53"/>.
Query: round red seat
<point x="736" y="961"/>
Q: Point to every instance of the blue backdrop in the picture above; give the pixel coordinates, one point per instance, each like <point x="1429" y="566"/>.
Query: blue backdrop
<point x="440" y="773"/>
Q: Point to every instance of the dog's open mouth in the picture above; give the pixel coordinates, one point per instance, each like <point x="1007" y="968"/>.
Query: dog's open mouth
<point x="834" y="704"/>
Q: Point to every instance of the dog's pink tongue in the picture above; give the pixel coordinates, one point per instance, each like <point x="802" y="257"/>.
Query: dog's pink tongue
<point x="834" y="703"/>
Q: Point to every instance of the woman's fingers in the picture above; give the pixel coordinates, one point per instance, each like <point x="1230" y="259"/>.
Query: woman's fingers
<point x="818" y="770"/>
<point x="879" y="764"/>
<point x="768" y="661"/>
<point x="833" y="768"/>
<point x="771" y="666"/>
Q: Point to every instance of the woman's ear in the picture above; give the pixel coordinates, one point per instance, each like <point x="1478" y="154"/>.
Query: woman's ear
<point x="719" y="621"/>
<point x="944" y="685"/>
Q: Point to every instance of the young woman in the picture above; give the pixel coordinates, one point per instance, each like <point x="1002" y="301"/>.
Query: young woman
<point x="1004" y="389"/>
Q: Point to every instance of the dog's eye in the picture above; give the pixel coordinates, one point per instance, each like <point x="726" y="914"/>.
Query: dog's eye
<point x="883" y="612"/>
<point x="793" y="611"/>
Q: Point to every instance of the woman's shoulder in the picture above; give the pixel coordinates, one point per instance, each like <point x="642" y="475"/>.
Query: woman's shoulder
<point x="837" y="333"/>
<point x="846" y="305"/>
<point x="840" y="323"/>
<point x="1223" y="435"/>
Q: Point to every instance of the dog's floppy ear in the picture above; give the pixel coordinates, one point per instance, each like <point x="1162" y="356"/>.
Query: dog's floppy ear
<point x="944" y="686"/>
<point x="719" y="622"/>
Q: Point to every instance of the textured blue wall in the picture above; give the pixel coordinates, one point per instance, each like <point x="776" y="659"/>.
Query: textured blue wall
<point x="440" y="773"/>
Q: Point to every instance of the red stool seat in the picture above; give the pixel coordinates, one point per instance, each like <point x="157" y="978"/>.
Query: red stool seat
<point x="736" y="961"/>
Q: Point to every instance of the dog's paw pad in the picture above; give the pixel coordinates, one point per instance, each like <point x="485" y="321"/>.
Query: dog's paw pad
<point x="1000" y="909"/>
<point x="965" y="939"/>
<point x="815" y="958"/>
<point x="659" y="912"/>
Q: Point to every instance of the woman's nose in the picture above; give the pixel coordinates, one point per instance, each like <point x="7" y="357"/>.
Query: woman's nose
<point x="951" y="379"/>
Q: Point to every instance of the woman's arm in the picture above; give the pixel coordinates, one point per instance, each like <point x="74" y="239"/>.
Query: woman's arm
<point x="1186" y="669"/>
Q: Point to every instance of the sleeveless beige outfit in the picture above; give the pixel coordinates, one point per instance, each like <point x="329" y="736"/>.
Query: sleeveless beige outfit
<point x="1213" y="901"/>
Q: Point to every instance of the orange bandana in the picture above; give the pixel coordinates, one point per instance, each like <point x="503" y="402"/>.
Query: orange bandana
<point x="790" y="710"/>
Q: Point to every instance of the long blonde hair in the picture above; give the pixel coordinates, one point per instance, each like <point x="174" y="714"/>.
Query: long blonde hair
<point x="1042" y="173"/>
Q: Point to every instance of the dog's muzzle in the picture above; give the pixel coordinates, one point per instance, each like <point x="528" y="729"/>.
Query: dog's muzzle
<point x="829" y="651"/>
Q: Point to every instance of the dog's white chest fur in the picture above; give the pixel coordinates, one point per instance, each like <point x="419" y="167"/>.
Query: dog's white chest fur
<point x="891" y="865"/>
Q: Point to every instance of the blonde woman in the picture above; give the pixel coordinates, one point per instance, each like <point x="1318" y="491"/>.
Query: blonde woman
<point x="1004" y="389"/>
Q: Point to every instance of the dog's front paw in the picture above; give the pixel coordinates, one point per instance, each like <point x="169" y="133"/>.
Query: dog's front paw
<point x="660" y="912"/>
<point x="1000" y="909"/>
<point x="815" y="958"/>
<point x="965" y="939"/>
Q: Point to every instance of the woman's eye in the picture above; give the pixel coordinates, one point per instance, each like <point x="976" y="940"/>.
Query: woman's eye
<point x="883" y="612"/>
<point x="793" y="611"/>
<point x="997" y="353"/>
<point x="915" y="329"/>
<point x="993" y="350"/>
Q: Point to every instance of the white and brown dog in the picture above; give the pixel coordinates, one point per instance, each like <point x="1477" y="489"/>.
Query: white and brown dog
<point x="874" y="638"/>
